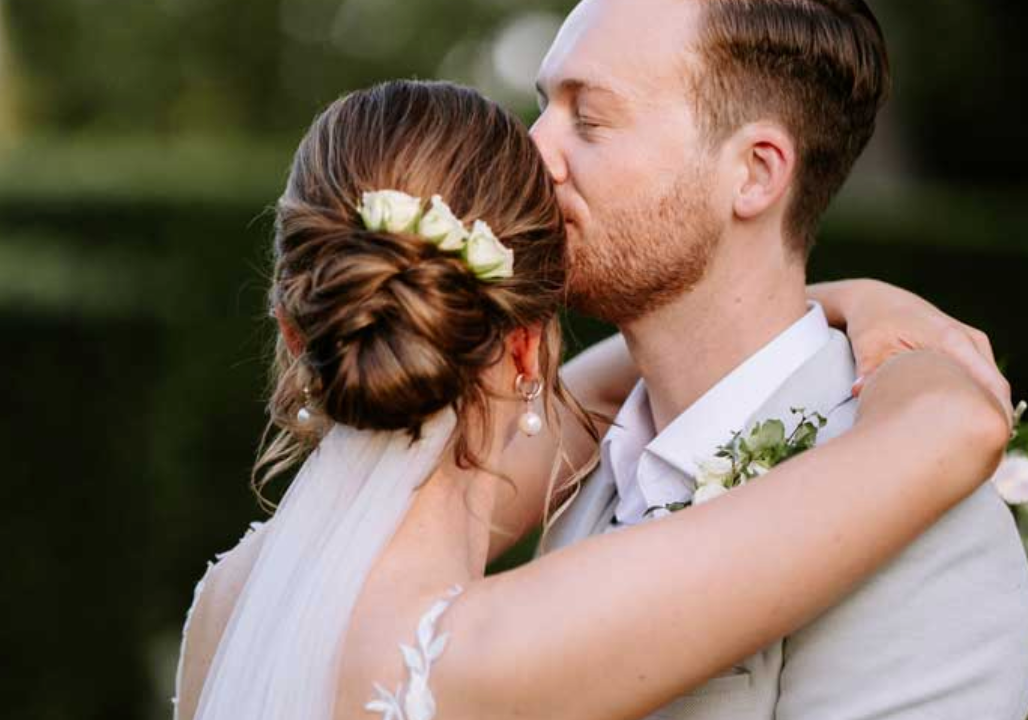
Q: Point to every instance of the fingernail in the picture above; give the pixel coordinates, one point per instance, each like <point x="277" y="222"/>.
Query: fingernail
<point x="858" y="385"/>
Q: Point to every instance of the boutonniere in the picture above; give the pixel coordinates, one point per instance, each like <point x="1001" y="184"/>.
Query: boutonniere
<point x="1011" y="477"/>
<point x="744" y="458"/>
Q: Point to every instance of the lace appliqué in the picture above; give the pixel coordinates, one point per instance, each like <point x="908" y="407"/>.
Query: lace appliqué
<point x="415" y="701"/>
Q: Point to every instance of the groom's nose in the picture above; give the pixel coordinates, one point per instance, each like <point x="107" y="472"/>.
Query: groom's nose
<point x="545" y="139"/>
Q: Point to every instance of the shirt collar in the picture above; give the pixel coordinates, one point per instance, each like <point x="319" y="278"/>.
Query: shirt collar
<point x="626" y="439"/>
<point x="726" y="407"/>
<point x="634" y="455"/>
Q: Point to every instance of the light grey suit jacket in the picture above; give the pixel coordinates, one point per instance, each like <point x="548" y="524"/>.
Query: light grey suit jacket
<point x="941" y="633"/>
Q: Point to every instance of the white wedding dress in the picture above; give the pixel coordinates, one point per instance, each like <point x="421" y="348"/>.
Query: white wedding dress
<point x="278" y="657"/>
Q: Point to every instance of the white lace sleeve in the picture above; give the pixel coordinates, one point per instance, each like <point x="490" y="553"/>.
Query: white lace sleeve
<point x="414" y="700"/>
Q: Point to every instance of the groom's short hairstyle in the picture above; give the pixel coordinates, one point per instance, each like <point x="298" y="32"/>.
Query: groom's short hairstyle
<point x="819" y="67"/>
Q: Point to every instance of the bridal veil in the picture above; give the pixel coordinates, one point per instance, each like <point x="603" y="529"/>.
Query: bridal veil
<point x="278" y="658"/>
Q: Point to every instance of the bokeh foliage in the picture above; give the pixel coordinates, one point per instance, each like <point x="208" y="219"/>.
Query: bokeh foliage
<point x="149" y="139"/>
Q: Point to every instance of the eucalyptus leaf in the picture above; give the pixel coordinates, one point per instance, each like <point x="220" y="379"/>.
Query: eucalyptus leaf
<point x="767" y="435"/>
<point x="805" y="435"/>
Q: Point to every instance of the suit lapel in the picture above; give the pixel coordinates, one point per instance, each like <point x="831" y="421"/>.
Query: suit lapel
<point x="820" y="385"/>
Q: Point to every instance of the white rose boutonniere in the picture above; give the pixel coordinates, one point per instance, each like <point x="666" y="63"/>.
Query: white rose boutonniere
<point x="706" y="493"/>
<point x="441" y="227"/>
<point x="715" y="473"/>
<point x="744" y="458"/>
<point x="390" y="210"/>
<point x="487" y="257"/>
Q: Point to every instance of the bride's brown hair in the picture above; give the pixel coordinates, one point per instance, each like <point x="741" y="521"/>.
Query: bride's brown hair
<point x="395" y="330"/>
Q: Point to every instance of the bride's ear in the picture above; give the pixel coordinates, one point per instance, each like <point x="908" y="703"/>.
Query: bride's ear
<point x="290" y="333"/>
<point x="523" y="346"/>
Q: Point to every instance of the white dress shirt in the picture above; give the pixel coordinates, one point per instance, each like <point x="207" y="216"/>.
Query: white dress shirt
<point x="653" y="470"/>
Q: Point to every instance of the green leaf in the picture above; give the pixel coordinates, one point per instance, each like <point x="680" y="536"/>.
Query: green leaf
<point x="767" y="435"/>
<point x="672" y="507"/>
<point x="805" y="436"/>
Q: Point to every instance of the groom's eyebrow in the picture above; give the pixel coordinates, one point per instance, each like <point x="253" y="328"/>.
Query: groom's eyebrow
<point x="575" y="87"/>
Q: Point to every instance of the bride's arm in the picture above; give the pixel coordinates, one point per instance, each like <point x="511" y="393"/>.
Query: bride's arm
<point x="213" y="603"/>
<point x="620" y="624"/>
<point x="880" y="319"/>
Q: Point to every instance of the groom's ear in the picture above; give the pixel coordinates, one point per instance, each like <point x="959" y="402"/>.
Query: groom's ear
<point x="766" y="156"/>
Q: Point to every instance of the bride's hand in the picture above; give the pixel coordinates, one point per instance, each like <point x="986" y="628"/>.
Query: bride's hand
<point x="947" y="416"/>
<point x="883" y="320"/>
<point x="927" y="437"/>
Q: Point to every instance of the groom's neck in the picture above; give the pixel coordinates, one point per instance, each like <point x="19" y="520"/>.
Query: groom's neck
<point x="685" y="348"/>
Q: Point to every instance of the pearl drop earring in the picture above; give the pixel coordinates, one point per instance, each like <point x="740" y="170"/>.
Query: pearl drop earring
<point x="304" y="414"/>
<point x="529" y="423"/>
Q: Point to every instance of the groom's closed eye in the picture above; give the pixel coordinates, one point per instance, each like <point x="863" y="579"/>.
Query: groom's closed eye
<point x="593" y="115"/>
<point x="585" y="122"/>
<point x="586" y="125"/>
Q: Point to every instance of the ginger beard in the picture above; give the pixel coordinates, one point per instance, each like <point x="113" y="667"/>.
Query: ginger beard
<point x="638" y="258"/>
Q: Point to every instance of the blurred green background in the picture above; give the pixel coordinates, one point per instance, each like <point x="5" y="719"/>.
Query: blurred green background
<point x="141" y="144"/>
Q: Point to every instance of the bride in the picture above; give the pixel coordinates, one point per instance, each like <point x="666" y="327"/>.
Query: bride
<point x="418" y="279"/>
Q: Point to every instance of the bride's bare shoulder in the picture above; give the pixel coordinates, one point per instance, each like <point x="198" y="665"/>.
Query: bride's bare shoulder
<point x="398" y="631"/>
<point x="213" y="601"/>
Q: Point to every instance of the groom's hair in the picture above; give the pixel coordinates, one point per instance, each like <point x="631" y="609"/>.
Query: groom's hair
<point x="819" y="67"/>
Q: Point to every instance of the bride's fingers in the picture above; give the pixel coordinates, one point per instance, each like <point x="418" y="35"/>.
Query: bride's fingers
<point x="878" y="347"/>
<point x="981" y="341"/>
<point x="979" y="363"/>
<point x="967" y="345"/>
<point x="858" y="386"/>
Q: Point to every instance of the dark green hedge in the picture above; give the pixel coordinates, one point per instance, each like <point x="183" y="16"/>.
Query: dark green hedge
<point x="132" y="312"/>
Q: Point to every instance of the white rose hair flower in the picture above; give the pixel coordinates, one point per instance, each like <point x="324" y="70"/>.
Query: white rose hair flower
<point x="487" y="257"/>
<point x="396" y="212"/>
<point x="441" y="227"/>
<point x="390" y="211"/>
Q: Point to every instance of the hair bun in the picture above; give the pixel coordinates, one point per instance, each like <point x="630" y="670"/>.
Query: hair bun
<point x="397" y="326"/>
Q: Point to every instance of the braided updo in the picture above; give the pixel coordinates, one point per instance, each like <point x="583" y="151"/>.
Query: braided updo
<point x="394" y="329"/>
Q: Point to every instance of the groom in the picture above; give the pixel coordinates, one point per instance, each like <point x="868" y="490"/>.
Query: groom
<point x="696" y="145"/>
